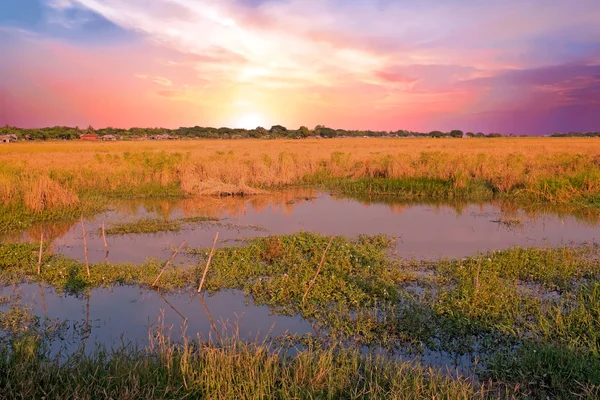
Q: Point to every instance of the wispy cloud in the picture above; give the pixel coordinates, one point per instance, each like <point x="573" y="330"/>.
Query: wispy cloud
<point x="379" y="64"/>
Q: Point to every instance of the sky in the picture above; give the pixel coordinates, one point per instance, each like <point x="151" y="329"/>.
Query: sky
<point x="508" y="66"/>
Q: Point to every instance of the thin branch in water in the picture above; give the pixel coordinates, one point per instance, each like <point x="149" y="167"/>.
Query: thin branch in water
<point x="39" y="271"/>
<point x="318" y="269"/>
<point x="168" y="263"/>
<point x="208" y="263"/>
<point x="104" y="237"/>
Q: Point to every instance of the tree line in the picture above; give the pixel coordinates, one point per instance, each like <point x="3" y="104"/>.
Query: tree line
<point x="276" y="131"/>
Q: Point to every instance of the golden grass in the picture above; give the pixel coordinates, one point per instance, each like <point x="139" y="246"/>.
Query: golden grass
<point x="53" y="174"/>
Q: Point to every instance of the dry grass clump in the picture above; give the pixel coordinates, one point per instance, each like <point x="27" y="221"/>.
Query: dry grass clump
<point x="43" y="193"/>
<point x="212" y="187"/>
<point x="8" y="190"/>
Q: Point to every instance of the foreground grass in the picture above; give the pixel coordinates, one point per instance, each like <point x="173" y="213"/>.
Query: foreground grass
<point x="39" y="180"/>
<point x="530" y="318"/>
<point x="228" y="369"/>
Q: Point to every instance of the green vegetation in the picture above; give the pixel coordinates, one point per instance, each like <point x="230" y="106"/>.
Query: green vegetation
<point x="419" y="188"/>
<point x="227" y="369"/>
<point x="555" y="191"/>
<point x="154" y="225"/>
<point x="145" y="225"/>
<point x="528" y="320"/>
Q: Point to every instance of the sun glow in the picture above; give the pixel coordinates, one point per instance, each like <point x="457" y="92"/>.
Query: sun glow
<point x="249" y="121"/>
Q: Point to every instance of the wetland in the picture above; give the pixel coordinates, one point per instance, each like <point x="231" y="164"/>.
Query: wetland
<point x="336" y="288"/>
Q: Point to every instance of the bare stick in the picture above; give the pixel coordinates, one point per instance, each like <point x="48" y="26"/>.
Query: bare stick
<point x="208" y="263"/>
<point x="318" y="270"/>
<point x="104" y="237"/>
<point x="40" y="255"/>
<point x="87" y="263"/>
<point x="168" y="263"/>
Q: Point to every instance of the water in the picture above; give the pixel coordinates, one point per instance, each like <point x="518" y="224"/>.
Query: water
<point x="126" y="314"/>
<point x="422" y="231"/>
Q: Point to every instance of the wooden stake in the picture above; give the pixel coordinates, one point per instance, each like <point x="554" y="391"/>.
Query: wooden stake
<point x="318" y="270"/>
<point x="168" y="263"/>
<point x="40" y="254"/>
<point x="104" y="237"/>
<point x="87" y="263"/>
<point x="208" y="263"/>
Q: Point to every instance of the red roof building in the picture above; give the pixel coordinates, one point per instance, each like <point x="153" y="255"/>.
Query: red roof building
<point x="89" y="136"/>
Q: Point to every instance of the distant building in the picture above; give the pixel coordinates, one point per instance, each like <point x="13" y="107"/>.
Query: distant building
<point x="109" y="138"/>
<point x="160" y="137"/>
<point x="6" y="139"/>
<point x="89" y="136"/>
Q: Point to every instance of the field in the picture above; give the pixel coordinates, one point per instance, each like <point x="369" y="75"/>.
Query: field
<point x="54" y="180"/>
<point x="518" y="318"/>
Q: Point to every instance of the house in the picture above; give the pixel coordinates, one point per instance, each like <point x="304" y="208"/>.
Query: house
<point x="160" y="137"/>
<point x="89" y="136"/>
<point x="5" y="139"/>
<point x="109" y="138"/>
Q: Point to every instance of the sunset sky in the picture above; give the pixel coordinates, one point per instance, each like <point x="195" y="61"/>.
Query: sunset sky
<point x="509" y="66"/>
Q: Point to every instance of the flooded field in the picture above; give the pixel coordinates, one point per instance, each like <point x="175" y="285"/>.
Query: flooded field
<point x="127" y="314"/>
<point x="462" y="288"/>
<point x="421" y="231"/>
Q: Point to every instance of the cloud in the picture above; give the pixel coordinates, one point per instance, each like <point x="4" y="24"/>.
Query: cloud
<point x="377" y="64"/>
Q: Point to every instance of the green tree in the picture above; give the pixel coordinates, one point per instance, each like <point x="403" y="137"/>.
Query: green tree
<point x="304" y="132"/>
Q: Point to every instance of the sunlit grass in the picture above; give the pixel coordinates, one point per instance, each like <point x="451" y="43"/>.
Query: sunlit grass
<point x="46" y="176"/>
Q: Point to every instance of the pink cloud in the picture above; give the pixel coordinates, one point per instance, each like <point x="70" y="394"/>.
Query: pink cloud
<point x="380" y="65"/>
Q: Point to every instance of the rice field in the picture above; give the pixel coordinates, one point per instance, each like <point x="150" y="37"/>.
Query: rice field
<point x="47" y="176"/>
<point x="97" y="239"/>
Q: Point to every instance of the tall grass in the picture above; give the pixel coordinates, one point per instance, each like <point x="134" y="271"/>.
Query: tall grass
<point x="50" y="175"/>
<point x="226" y="369"/>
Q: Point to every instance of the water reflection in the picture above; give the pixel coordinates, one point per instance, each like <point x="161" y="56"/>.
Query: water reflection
<point x="422" y="230"/>
<point x="109" y="316"/>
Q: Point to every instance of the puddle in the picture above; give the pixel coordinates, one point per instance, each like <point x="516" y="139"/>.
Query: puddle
<point x="423" y="231"/>
<point x="125" y="314"/>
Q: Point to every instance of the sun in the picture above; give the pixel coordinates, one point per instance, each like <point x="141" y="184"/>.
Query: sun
<point x="249" y="121"/>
